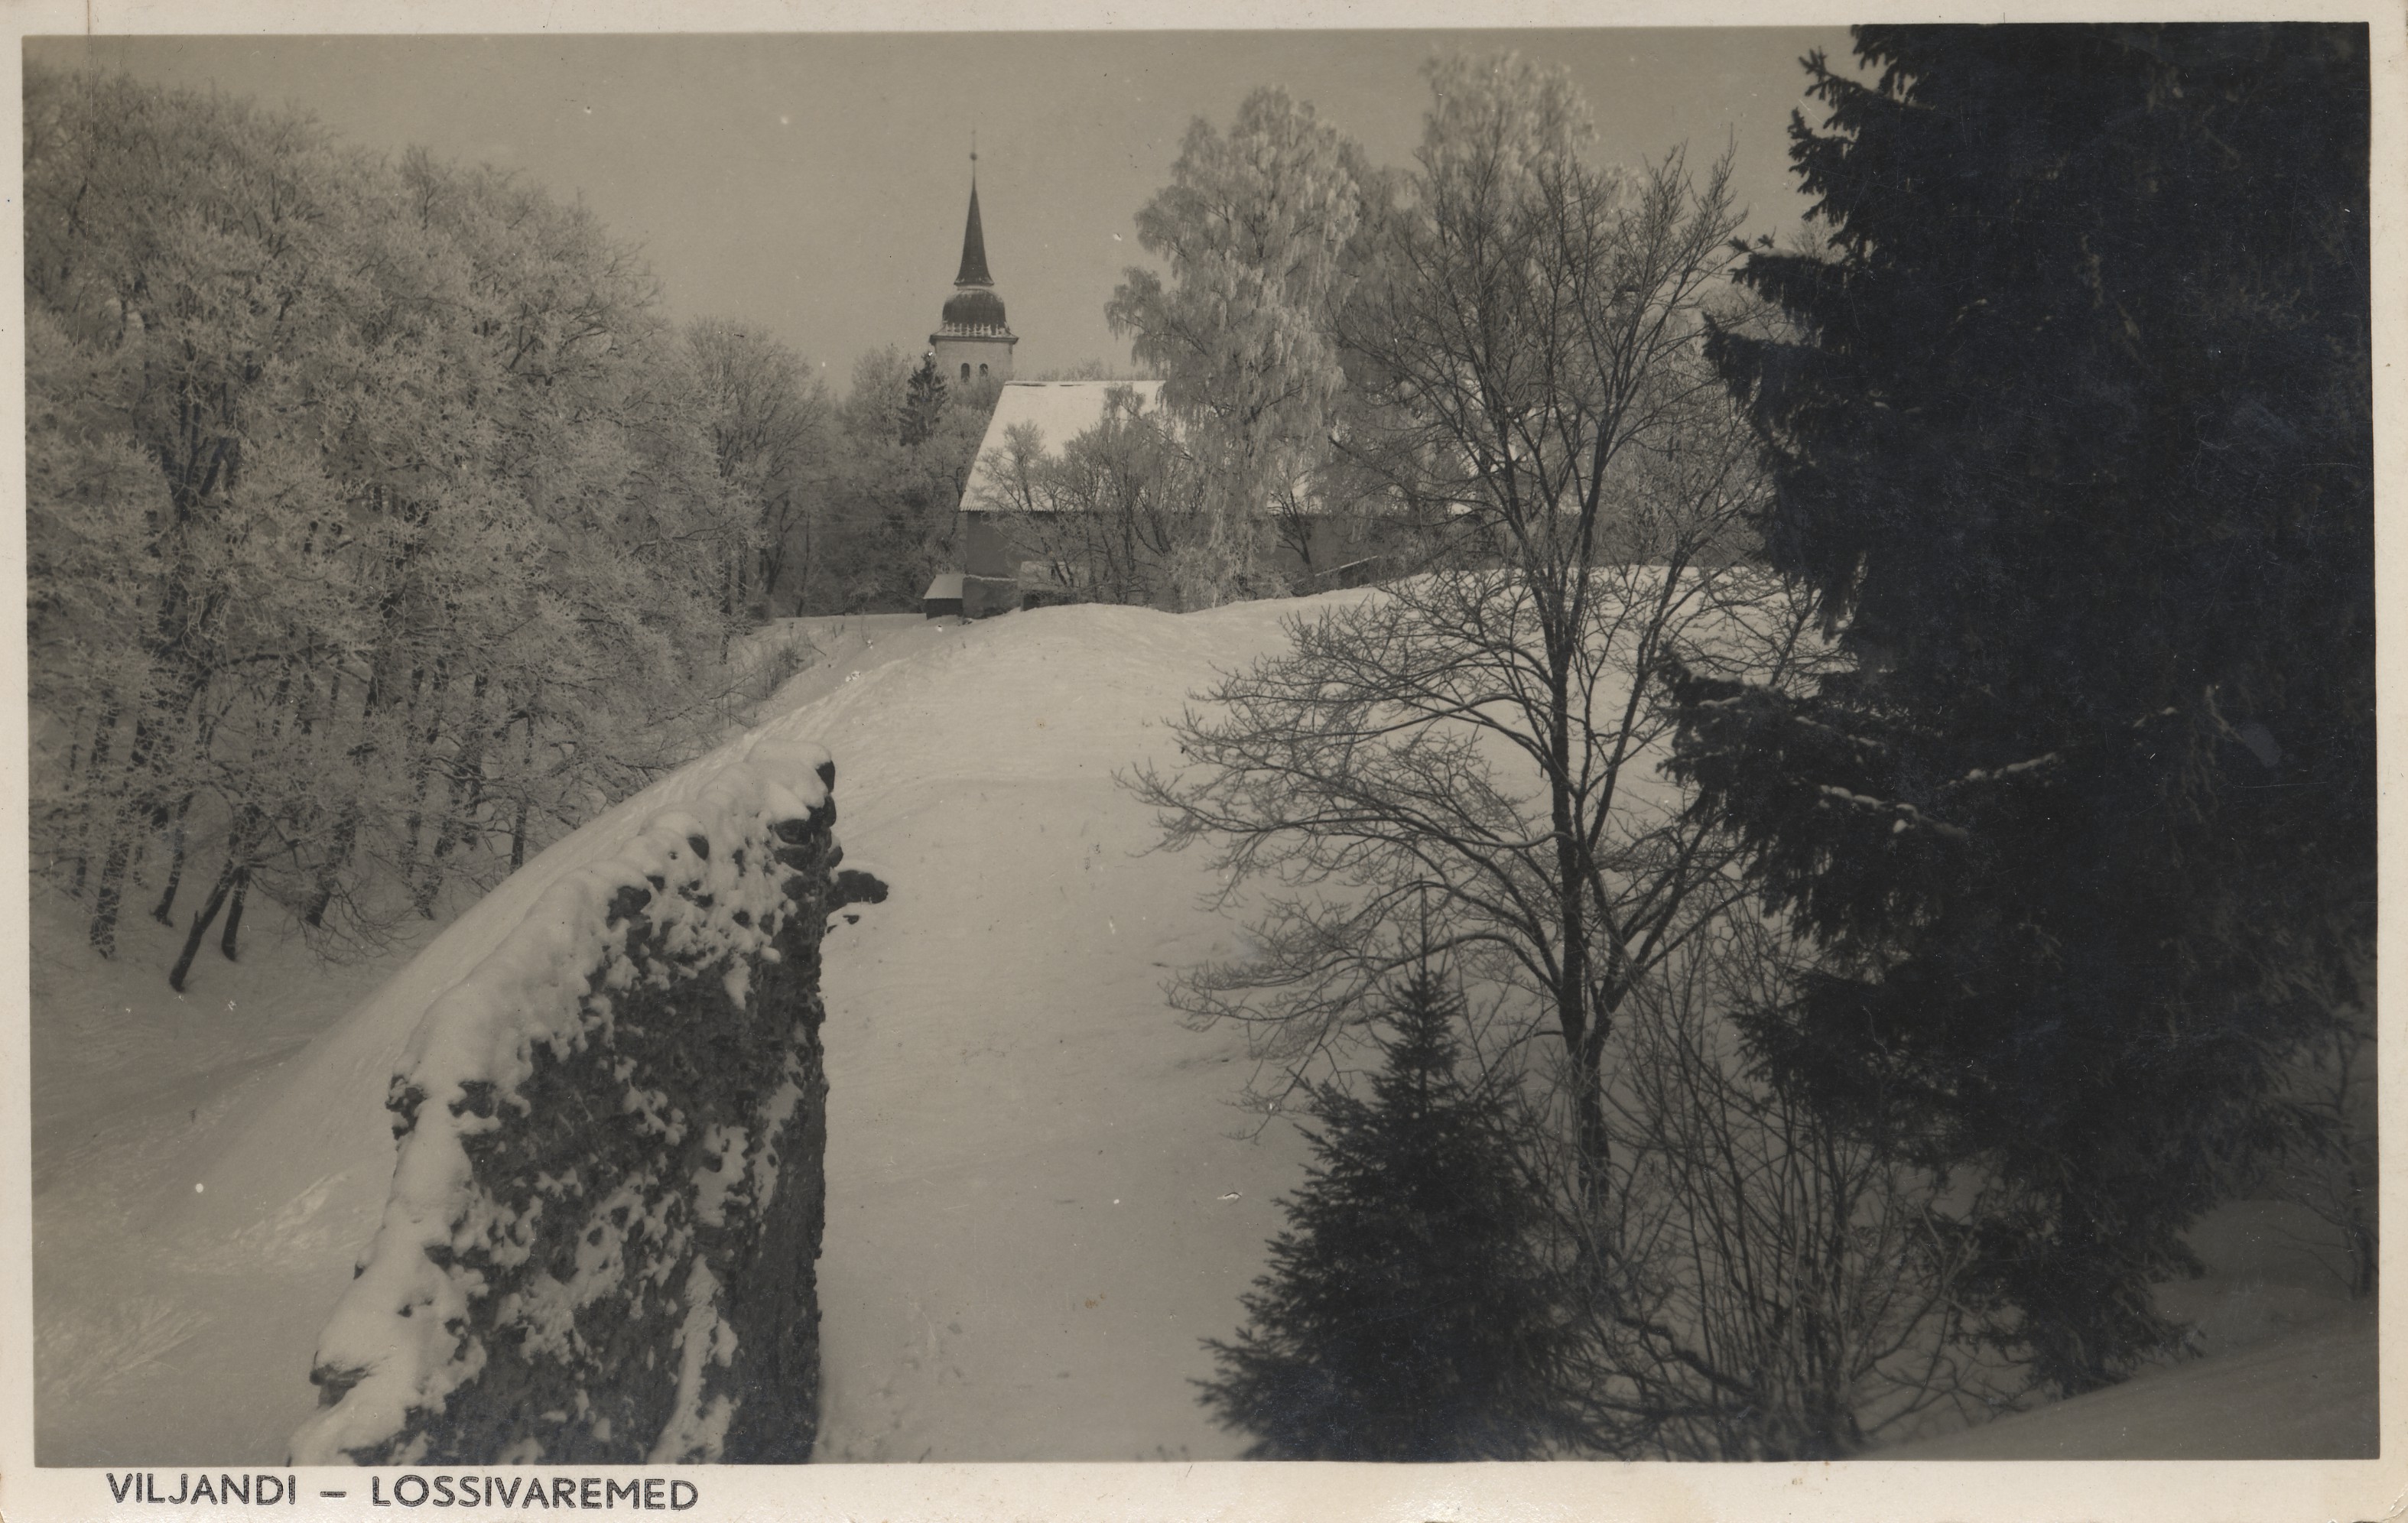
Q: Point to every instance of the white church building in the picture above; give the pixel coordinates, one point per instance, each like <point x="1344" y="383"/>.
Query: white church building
<point x="974" y="342"/>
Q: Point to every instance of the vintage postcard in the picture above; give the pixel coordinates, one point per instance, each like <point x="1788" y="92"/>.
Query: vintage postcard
<point x="1029" y="760"/>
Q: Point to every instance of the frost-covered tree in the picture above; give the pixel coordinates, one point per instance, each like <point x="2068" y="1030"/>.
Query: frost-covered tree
<point x="905" y="442"/>
<point x="376" y="523"/>
<point x="1407" y="1314"/>
<point x="1264" y="230"/>
<point x="183" y="252"/>
<point x="769" y="421"/>
<point x="924" y="404"/>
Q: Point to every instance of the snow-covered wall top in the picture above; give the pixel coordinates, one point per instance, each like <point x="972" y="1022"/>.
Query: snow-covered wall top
<point x="601" y="1239"/>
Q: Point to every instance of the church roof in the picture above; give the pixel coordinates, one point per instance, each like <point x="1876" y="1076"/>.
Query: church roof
<point x="973" y="248"/>
<point x="1061" y="411"/>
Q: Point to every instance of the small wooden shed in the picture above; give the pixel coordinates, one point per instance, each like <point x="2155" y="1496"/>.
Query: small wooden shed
<point x="944" y="596"/>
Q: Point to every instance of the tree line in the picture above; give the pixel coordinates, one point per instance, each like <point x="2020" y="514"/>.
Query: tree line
<point x="1867" y="796"/>
<point x="383" y="527"/>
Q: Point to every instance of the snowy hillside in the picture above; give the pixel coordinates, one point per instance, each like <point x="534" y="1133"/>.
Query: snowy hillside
<point x="2287" y="1366"/>
<point x="1038" y="1200"/>
<point x="1035" y="1207"/>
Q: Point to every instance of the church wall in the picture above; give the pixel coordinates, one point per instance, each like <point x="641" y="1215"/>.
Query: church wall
<point x="990" y="567"/>
<point x="1346" y="553"/>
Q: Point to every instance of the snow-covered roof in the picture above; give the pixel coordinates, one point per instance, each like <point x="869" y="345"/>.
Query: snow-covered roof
<point x="1061" y="411"/>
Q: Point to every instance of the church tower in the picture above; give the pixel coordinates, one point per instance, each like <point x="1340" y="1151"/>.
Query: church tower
<point x="973" y="342"/>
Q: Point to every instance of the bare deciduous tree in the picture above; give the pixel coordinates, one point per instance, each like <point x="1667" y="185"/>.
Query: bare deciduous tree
<point x="1481" y="740"/>
<point x="1751" y="1283"/>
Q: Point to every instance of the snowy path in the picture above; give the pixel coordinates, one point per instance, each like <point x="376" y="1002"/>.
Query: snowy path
<point x="1035" y="1206"/>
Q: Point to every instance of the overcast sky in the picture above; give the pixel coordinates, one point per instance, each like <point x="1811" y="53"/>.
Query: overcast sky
<point x="814" y="185"/>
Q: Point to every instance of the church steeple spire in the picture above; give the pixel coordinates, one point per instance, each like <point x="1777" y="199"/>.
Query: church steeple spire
<point x="974" y="239"/>
<point x="974" y="340"/>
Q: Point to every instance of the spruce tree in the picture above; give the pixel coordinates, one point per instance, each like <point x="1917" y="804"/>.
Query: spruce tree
<point x="1405" y="1315"/>
<point x="2072" y="437"/>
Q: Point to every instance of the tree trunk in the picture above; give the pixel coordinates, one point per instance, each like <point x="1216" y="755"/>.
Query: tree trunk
<point x="111" y="892"/>
<point x="1583" y="1038"/>
<point x="92" y="771"/>
<point x="209" y="912"/>
<point x="165" y="912"/>
<point x="518" y="825"/>
<point x="347" y="832"/>
<point x="732" y="591"/>
<point x="464" y="794"/>
<point x="347" y="821"/>
<point x="233" y="914"/>
<point x="422" y="772"/>
<point x="277" y="713"/>
<point x="103" y="932"/>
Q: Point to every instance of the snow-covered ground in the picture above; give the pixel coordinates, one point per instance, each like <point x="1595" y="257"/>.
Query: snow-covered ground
<point x="1039" y="1196"/>
<point x="2285" y="1364"/>
<point x="178" y="1325"/>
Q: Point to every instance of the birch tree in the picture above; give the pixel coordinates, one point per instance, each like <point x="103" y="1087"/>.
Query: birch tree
<point x="1264" y="230"/>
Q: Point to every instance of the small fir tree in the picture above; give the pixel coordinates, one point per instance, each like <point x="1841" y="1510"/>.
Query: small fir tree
<point x="1405" y="1315"/>
<point x="923" y="402"/>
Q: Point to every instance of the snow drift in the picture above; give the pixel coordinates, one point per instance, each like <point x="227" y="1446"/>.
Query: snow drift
<point x="600" y="1240"/>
